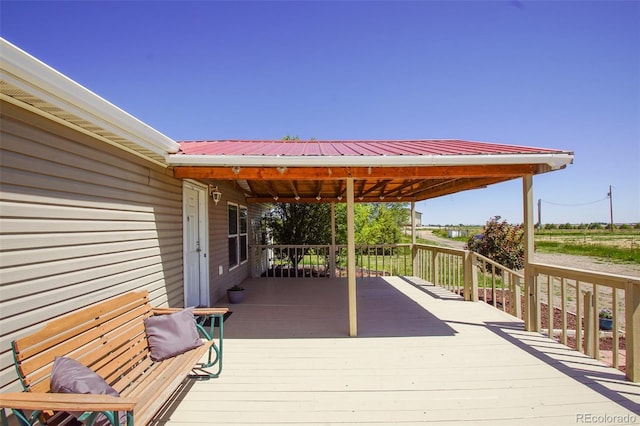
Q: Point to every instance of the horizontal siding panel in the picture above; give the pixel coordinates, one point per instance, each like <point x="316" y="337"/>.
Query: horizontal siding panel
<point x="48" y="254"/>
<point x="38" y="211"/>
<point x="100" y="277"/>
<point x="85" y="263"/>
<point x="136" y="203"/>
<point x="39" y="143"/>
<point x="44" y="161"/>
<point x="14" y="308"/>
<point x="117" y="190"/>
<point x="12" y="242"/>
<point x="55" y="226"/>
<point x="149" y="278"/>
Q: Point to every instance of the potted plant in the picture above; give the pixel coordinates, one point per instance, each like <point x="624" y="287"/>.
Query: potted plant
<point x="605" y="319"/>
<point x="235" y="294"/>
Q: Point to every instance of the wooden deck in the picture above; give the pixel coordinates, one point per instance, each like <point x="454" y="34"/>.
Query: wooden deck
<point x="423" y="355"/>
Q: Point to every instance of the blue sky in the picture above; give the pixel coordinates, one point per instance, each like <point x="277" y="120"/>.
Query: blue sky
<point x="557" y="74"/>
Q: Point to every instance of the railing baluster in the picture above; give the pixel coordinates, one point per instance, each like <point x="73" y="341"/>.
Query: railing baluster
<point x="563" y="297"/>
<point x="616" y="342"/>
<point x="595" y="326"/>
<point x="578" y="317"/>
<point x="550" y="280"/>
<point x="493" y="285"/>
<point x="589" y="336"/>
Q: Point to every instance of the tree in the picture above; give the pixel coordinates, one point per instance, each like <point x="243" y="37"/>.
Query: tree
<point x="375" y="223"/>
<point x="310" y="223"/>
<point x="500" y="242"/>
<point x="300" y="223"/>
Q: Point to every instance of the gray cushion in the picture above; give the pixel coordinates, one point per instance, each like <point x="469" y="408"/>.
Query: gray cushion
<point x="69" y="376"/>
<point x="172" y="334"/>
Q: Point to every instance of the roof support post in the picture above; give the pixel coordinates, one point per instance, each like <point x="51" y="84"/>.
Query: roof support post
<point x="414" y="249"/>
<point x="632" y="323"/>
<point x="531" y="305"/>
<point x="332" y="249"/>
<point x="351" y="259"/>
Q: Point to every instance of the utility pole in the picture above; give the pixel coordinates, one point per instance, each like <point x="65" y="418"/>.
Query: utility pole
<point x="610" y="195"/>
<point x="539" y="215"/>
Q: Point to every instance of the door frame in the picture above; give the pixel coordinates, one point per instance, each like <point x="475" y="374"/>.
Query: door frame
<point x="203" y="219"/>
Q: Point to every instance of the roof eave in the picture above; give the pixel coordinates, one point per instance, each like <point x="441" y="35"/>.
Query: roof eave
<point x="35" y="77"/>
<point x="554" y="161"/>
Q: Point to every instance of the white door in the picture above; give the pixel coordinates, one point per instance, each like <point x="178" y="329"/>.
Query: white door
<point x="196" y="271"/>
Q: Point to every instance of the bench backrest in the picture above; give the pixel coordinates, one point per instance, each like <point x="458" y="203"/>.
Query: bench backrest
<point x="107" y="337"/>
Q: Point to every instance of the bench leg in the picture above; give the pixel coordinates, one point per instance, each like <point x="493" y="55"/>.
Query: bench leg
<point x="23" y="420"/>
<point x="211" y="361"/>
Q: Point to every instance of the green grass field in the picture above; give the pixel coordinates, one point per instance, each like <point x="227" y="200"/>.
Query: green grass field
<point x="621" y="246"/>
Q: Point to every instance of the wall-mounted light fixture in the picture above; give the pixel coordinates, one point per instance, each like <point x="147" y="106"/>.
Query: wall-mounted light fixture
<point x="215" y="193"/>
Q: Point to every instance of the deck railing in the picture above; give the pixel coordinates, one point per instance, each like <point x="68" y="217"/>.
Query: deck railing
<point x="317" y="261"/>
<point x="574" y="299"/>
<point x="570" y="299"/>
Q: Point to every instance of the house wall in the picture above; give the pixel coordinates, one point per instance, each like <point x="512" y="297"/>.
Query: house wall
<point x="219" y="247"/>
<point x="80" y="221"/>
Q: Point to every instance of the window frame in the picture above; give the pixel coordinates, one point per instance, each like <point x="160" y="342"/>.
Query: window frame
<point x="241" y="235"/>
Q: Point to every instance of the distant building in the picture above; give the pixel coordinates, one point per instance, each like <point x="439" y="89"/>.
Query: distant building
<point x="418" y="218"/>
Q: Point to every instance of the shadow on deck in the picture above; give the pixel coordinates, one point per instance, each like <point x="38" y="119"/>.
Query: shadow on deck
<point x="318" y="308"/>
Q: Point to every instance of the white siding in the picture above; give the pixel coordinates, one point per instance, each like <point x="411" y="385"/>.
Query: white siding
<point x="80" y="221"/>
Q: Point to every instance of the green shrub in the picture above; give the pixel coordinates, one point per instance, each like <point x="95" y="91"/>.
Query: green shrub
<point x="500" y="242"/>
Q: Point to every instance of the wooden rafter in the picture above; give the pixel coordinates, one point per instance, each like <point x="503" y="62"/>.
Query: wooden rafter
<point x="294" y="187"/>
<point x="319" y="189"/>
<point x="379" y="184"/>
<point x="323" y="184"/>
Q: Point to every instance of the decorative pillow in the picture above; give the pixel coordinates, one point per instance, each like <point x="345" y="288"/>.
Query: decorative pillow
<point x="69" y="376"/>
<point x="172" y="334"/>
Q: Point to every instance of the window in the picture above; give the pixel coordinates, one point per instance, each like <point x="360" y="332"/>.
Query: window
<point x="238" y="240"/>
<point x="244" y="241"/>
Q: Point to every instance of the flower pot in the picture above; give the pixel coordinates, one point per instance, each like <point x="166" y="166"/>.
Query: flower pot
<point x="235" y="296"/>
<point x="605" y="323"/>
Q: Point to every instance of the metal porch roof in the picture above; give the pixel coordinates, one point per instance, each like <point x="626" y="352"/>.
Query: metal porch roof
<point x="423" y="147"/>
<point x="390" y="170"/>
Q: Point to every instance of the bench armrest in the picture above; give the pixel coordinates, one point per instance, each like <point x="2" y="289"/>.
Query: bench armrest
<point x="196" y="311"/>
<point x="201" y="316"/>
<point x="66" y="402"/>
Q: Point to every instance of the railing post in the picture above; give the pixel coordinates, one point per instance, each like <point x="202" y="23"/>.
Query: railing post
<point x="632" y="325"/>
<point x="434" y="268"/>
<point x="517" y="297"/>
<point x="332" y="261"/>
<point x="470" y="276"/>
<point x="589" y="340"/>
<point x="532" y="307"/>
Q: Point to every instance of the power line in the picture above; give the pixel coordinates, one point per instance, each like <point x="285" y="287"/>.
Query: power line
<point x="575" y="205"/>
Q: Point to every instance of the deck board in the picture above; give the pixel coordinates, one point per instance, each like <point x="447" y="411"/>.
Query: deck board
<point x="423" y="355"/>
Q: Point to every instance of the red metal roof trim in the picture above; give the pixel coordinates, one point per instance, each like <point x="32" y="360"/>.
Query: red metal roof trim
<point x="353" y="148"/>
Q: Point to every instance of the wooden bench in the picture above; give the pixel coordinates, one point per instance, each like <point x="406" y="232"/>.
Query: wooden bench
<point x="109" y="338"/>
